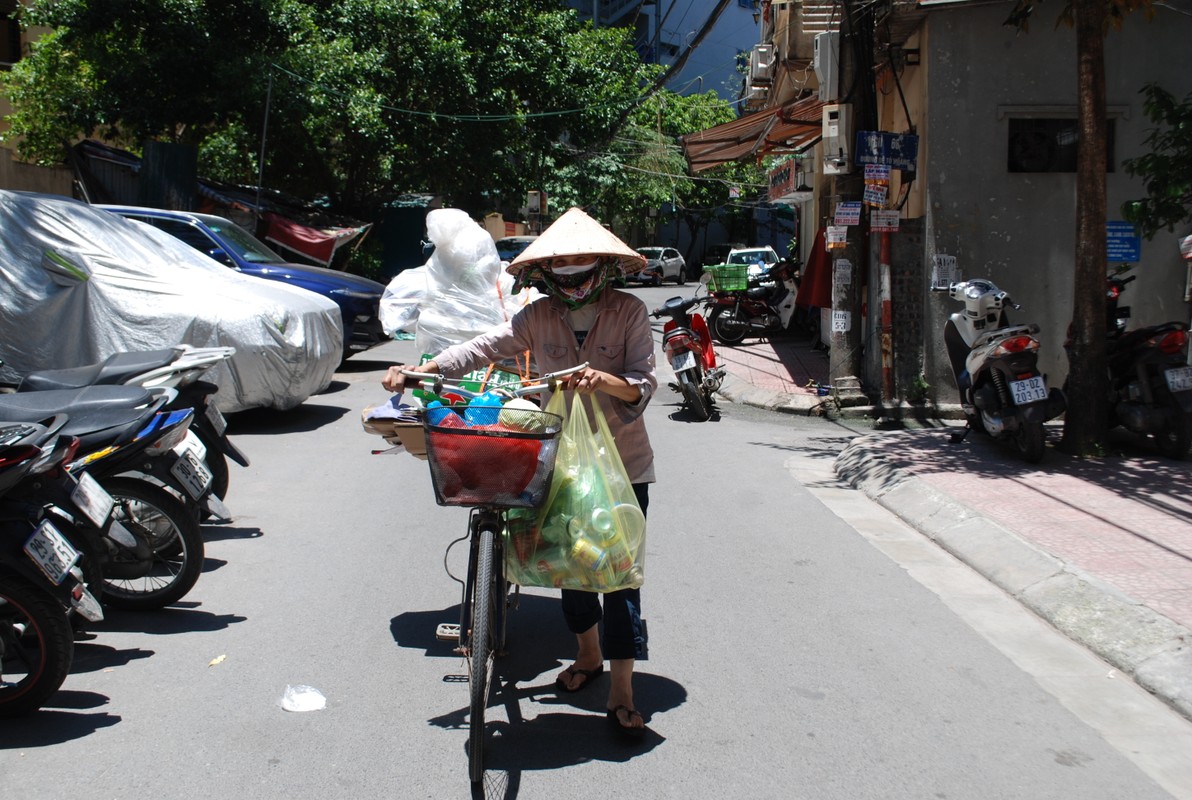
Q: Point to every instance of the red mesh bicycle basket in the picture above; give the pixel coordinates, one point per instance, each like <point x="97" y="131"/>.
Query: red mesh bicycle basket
<point x="493" y="465"/>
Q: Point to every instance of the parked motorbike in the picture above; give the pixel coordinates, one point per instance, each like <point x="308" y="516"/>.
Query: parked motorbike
<point x="179" y="368"/>
<point x="760" y="310"/>
<point x="1150" y="381"/>
<point x="995" y="365"/>
<point x="688" y="346"/>
<point x="40" y="578"/>
<point x="156" y="555"/>
<point x="184" y="473"/>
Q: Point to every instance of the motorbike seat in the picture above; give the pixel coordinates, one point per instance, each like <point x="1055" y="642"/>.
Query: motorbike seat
<point x="95" y="424"/>
<point x="1139" y="335"/>
<point x="35" y="406"/>
<point x="115" y="369"/>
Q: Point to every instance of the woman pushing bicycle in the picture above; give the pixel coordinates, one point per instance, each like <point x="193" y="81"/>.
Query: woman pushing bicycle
<point x="583" y="319"/>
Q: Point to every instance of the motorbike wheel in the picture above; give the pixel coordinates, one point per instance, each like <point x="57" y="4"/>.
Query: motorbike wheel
<point x="151" y="512"/>
<point x="693" y="396"/>
<point x="36" y="646"/>
<point x="1174" y="440"/>
<point x="1030" y="440"/>
<point x="723" y="334"/>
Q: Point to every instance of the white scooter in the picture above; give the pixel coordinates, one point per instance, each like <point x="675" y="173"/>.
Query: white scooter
<point x="995" y="365"/>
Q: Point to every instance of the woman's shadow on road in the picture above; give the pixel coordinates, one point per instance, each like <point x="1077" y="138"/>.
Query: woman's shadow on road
<point x="539" y="646"/>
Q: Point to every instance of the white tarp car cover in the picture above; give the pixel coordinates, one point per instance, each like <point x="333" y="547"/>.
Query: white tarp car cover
<point x="462" y="291"/>
<point x="78" y="284"/>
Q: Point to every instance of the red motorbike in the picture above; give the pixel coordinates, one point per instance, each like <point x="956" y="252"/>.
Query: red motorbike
<point x="763" y="308"/>
<point x="688" y="346"/>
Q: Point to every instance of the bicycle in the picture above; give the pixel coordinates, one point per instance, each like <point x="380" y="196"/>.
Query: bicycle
<point x="498" y="476"/>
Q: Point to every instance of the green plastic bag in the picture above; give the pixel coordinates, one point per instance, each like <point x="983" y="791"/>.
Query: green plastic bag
<point x="590" y="534"/>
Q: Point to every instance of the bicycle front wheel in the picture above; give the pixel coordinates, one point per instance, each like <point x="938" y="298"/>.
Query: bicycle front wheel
<point x="482" y="652"/>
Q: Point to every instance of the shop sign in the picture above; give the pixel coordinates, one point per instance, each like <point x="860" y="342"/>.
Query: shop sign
<point x="896" y="150"/>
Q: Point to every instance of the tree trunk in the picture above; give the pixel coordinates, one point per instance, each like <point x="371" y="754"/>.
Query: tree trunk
<point x="1084" y="426"/>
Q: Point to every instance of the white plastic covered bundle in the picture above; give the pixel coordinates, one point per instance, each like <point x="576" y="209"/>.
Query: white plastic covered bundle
<point x="78" y="284"/>
<point x="461" y="292"/>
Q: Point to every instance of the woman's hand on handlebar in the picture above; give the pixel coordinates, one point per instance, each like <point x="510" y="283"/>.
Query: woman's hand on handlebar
<point x="395" y="379"/>
<point x="590" y="381"/>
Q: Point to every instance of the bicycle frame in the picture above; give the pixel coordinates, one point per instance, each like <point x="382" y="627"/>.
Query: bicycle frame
<point x="480" y="635"/>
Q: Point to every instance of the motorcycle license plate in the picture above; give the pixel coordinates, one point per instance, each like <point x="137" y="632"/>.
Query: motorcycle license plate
<point x="92" y="499"/>
<point x="1179" y="379"/>
<point x="192" y="472"/>
<point x="50" y="551"/>
<point x="216" y="419"/>
<point x="685" y="360"/>
<point x="1032" y="390"/>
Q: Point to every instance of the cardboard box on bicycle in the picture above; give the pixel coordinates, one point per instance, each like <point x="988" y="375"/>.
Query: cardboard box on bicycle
<point x="409" y="435"/>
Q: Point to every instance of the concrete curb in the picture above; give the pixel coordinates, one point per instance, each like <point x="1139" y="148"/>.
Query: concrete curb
<point x="742" y="392"/>
<point x="1155" y="651"/>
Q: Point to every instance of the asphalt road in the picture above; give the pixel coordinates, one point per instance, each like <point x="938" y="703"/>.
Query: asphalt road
<point x="800" y="646"/>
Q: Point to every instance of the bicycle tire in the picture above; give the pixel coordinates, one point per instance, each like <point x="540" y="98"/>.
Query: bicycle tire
<point x="482" y="652"/>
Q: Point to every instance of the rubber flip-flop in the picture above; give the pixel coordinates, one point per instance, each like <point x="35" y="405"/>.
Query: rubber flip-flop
<point x="587" y="674"/>
<point x="627" y="732"/>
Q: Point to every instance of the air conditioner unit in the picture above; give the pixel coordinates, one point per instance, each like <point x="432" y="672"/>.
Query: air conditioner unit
<point x="826" y="61"/>
<point x="761" y="61"/>
<point x="755" y="93"/>
<point x="837" y="133"/>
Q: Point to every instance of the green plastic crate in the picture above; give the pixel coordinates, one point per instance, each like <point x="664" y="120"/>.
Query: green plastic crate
<point x="474" y="381"/>
<point x="728" y="277"/>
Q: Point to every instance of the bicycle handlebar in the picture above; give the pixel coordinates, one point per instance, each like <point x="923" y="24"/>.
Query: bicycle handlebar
<point x="546" y="382"/>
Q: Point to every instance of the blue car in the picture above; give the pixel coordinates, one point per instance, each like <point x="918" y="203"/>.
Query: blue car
<point x="358" y="298"/>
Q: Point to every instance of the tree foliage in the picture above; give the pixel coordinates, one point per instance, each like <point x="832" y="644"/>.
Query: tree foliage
<point x="1167" y="169"/>
<point x="357" y="101"/>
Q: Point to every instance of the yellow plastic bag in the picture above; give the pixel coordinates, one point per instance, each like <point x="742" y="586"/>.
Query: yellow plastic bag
<point x="590" y="534"/>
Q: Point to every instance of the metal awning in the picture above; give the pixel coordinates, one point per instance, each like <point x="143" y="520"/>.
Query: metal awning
<point x="787" y="129"/>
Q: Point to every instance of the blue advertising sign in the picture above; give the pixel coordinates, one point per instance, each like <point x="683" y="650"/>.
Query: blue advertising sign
<point x="897" y="150"/>
<point x="1122" y="242"/>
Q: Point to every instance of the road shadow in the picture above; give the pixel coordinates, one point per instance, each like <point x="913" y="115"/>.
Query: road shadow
<point x="50" y="726"/>
<point x="223" y="533"/>
<point x="309" y="416"/>
<point x="182" y="617"/>
<point x="539" y="646"/>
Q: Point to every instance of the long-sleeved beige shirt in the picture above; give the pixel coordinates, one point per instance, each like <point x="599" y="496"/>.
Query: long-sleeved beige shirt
<point x="619" y="342"/>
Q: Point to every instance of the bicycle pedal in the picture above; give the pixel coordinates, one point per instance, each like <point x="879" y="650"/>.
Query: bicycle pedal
<point x="448" y="632"/>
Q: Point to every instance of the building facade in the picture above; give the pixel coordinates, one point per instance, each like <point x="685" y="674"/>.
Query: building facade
<point x="992" y="183"/>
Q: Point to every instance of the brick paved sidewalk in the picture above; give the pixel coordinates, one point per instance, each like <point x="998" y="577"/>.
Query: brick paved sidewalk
<point x="783" y="364"/>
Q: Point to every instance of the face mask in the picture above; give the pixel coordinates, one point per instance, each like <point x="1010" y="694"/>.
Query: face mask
<point x="576" y="289"/>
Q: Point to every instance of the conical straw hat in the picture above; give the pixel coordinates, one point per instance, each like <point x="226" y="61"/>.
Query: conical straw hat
<point x="576" y="234"/>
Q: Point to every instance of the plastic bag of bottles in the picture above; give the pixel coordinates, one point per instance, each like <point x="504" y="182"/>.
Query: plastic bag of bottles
<point x="590" y="533"/>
